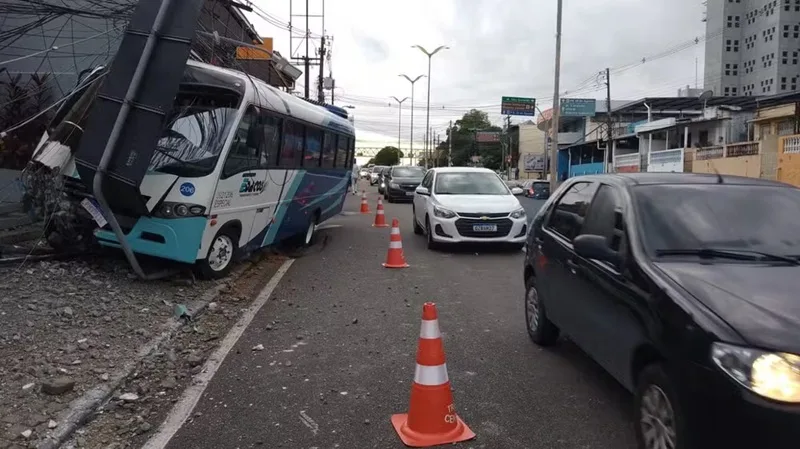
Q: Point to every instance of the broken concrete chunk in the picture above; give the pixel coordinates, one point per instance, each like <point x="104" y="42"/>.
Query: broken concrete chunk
<point x="58" y="386"/>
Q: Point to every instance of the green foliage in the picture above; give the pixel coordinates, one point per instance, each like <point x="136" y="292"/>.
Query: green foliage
<point x="19" y="101"/>
<point x="464" y="144"/>
<point x="387" y="156"/>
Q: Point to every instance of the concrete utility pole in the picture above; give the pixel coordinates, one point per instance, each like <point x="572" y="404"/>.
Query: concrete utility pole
<point x="556" y="104"/>
<point x="399" y="118"/>
<point x="411" y="142"/>
<point x="321" y="80"/>
<point x="450" y="145"/>
<point x="428" y="107"/>
<point x="609" y="122"/>
<point x="307" y="71"/>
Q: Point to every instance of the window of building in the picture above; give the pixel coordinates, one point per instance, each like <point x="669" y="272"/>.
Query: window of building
<point x="313" y="151"/>
<point x="727" y="91"/>
<point x="329" y="150"/>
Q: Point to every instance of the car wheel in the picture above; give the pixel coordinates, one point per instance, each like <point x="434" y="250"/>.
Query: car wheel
<point x="541" y="330"/>
<point x="660" y="422"/>
<point x="219" y="260"/>
<point x="417" y="228"/>
<point x="429" y="234"/>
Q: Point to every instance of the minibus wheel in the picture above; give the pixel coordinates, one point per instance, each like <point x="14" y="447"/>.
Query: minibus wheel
<point x="220" y="257"/>
<point x="308" y="237"/>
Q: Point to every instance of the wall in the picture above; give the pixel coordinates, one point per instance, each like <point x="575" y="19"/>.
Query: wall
<point x="789" y="160"/>
<point x="749" y="166"/>
<point x="531" y="141"/>
<point x="586" y="169"/>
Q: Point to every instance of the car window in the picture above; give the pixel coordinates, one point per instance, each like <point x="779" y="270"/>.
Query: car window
<point x="567" y="218"/>
<point x="407" y="172"/>
<point x="426" y="181"/>
<point x="719" y="216"/>
<point x="605" y="216"/>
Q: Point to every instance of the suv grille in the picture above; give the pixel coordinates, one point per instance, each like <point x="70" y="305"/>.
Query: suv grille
<point x="464" y="226"/>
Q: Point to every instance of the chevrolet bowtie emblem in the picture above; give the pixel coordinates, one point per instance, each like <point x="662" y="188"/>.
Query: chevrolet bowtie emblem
<point x="484" y="218"/>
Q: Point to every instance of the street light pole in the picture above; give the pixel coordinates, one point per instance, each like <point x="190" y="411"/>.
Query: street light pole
<point x="411" y="143"/>
<point x="556" y="104"/>
<point x="428" y="107"/>
<point x="399" y="118"/>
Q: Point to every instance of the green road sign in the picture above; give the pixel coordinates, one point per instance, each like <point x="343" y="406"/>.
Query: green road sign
<point x="578" y="107"/>
<point x="518" y="106"/>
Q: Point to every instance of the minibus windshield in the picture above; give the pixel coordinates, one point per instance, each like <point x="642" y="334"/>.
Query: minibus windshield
<point x="196" y="131"/>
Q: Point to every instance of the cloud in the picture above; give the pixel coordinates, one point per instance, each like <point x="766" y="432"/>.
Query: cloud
<point x="497" y="49"/>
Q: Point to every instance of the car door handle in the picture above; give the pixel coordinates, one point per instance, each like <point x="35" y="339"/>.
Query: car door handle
<point x="573" y="267"/>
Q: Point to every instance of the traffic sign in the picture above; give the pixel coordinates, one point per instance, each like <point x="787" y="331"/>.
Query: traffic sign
<point x="578" y="107"/>
<point x="518" y="106"/>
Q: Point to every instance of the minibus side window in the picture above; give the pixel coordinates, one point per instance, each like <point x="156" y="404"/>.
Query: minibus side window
<point x="272" y="139"/>
<point x="292" y="148"/>
<point x="245" y="152"/>
<point x="329" y="150"/>
<point x="341" y="152"/>
<point x="313" y="147"/>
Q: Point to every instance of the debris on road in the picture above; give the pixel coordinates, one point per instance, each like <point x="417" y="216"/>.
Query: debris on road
<point x="258" y="347"/>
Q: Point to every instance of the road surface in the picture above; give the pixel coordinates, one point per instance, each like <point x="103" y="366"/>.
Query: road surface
<point x="340" y="339"/>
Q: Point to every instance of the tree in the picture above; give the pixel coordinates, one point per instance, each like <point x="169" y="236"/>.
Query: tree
<point x="464" y="145"/>
<point x="388" y="156"/>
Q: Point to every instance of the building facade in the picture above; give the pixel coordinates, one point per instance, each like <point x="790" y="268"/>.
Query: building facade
<point x="752" y="47"/>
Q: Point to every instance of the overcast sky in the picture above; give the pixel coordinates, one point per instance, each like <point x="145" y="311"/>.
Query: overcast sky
<point x="497" y="48"/>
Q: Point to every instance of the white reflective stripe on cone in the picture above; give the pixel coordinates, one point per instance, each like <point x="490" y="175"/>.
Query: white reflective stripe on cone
<point x="395" y="245"/>
<point x="380" y="211"/>
<point x="430" y="329"/>
<point x="396" y="231"/>
<point x="431" y="375"/>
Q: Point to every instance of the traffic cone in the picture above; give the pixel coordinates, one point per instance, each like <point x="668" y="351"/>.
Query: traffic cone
<point x="395" y="257"/>
<point x="364" y="204"/>
<point x="380" y="217"/>
<point x="431" y="419"/>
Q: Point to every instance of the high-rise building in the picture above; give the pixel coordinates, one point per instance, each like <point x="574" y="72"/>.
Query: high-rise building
<point x="752" y="47"/>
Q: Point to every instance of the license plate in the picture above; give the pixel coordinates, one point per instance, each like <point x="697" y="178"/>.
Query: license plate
<point x="94" y="210"/>
<point x="484" y="228"/>
<point x="409" y="193"/>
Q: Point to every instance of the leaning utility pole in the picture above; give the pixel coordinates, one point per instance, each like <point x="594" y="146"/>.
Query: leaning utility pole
<point x="556" y="104"/>
<point x="609" y="122"/>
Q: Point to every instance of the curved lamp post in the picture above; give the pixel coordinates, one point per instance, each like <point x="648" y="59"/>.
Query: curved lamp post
<point x="429" y="54"/>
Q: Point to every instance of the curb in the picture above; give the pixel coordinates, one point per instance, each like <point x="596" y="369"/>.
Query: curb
<point x="81" y="408"/>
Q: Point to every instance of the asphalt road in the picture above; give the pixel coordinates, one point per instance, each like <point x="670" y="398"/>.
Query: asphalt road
<point x="341" y="337"/>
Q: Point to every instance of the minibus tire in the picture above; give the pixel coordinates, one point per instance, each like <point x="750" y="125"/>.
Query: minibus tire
<point x="205" y="269"/>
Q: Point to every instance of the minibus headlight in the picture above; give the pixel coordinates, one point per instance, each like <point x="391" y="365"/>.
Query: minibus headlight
<point x="179" y="210"/>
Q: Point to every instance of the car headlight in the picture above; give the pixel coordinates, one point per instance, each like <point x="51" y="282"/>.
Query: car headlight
<point x="519" y="213"/>
<point x="394" y="185"/>
<point x="442" y="212"/>
<point x="178" y="210"/>
<point x="773" y="375"/>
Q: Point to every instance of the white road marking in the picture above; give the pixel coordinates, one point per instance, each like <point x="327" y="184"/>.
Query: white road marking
<point x="192" y="394"/>
<point x="308" y="422"/>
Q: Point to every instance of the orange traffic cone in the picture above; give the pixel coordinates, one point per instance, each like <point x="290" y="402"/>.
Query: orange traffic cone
<point x="431" y="419"/>
<point x="364" y="204"/>
<point x="380" y="217"/>
<point x="395" y="257"/>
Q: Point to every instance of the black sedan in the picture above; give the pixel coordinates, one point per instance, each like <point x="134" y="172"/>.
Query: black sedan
<point x="686" y="289"/>
<point x="401" y="181"/>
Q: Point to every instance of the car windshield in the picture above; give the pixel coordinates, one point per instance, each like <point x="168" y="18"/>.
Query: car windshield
<point x="377" y="169"/>
<point x="469" y="183"/>
<point x="408" y="172"/>
<point x="719" y="216"/>
<point x="195" y="134"/>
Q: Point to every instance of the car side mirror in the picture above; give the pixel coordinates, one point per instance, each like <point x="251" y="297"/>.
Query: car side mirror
<point x="516" y="191"/>
<point x="422" y="191"/>
<point x="592" y="246"/>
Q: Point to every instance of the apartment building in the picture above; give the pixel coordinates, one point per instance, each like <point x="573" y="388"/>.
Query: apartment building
<point x="752" y="47"/>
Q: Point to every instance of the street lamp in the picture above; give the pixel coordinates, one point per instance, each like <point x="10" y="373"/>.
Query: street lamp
<point x="411" y="149"/>
<point x="399" y="118"/>
<point x="428" y="107"/>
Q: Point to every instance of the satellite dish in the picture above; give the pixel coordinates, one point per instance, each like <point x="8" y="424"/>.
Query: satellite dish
<point x="705" y="96"/>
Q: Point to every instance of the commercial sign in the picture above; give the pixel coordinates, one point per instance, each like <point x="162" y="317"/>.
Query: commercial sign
<point x="578" y="107"/>
<point x="487" y="136"/>
<point x="533" y="162"/>
<point x="250" y="53"/>
<point x="518" y="106"/>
